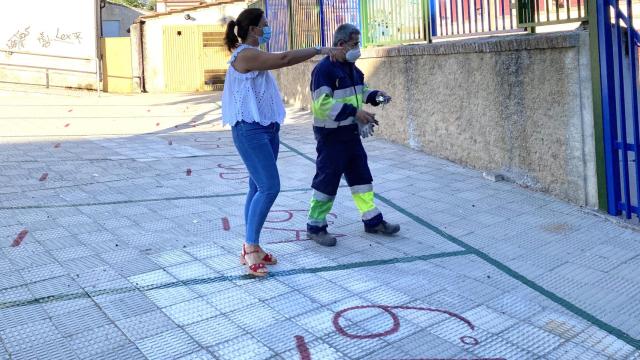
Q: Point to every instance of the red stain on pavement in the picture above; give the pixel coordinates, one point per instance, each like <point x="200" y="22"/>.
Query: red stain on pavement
<point x="189" y="172"/>
<point x="44" y="176"/>
<point x="301" y="345"/>
<point x="19" y="238"/>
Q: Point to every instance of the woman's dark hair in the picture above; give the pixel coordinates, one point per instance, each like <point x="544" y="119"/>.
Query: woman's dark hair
<point x="247" y="18"/>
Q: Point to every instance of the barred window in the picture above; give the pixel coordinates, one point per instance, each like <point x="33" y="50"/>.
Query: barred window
<point x="213" y="39"/>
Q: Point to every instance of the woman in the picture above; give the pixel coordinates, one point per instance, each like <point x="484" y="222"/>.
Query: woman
<point x="252" y="106"/>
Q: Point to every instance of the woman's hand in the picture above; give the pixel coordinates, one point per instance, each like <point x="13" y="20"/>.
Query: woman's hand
<point x="334" y="53"/>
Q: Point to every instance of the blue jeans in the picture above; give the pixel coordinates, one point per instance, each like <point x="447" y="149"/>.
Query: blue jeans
<point x="258" y="146"/>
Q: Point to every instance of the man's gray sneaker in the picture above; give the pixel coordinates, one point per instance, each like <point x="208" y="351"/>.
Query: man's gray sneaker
<point x="383" y="228"/>
<point x="323" y="238"/>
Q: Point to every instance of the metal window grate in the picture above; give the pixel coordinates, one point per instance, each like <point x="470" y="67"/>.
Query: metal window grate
<point x="213" y="39"/>
<point x="214" y="77"/>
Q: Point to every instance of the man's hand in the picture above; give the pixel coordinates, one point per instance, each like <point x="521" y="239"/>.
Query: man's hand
<point x="365" y="117"/>
<point x="365" y="130"/>
<point x="383" y="98"/>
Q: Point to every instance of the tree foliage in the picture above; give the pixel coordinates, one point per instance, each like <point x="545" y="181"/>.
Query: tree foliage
<point x="139" y="4"/>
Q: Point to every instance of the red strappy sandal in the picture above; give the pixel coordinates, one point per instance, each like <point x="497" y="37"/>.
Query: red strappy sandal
<point x="267" y="259"/>
<point x="257" y="269"/>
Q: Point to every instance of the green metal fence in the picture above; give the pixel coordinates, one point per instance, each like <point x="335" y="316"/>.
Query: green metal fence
<point x="258" y="4"/>
<point x="532" y="13"/>
<point x="306" y="23"/>
<point x="393" y="22"/>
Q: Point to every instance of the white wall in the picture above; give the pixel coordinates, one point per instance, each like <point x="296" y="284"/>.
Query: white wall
<point x="153" y="37"/>
<point x="53" y="34"/>
<point x="125" y="15"/>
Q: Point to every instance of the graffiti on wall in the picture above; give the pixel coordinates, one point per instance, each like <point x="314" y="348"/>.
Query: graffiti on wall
<point x="19" y="39"/>
<point x="69" y="38"/>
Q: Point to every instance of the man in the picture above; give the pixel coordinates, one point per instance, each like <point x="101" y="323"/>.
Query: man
<point x="338" y="93"/>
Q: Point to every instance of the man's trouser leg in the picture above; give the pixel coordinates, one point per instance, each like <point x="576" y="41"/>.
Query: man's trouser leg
<point x="359" y="179"/>
<point x="329" y="168"/>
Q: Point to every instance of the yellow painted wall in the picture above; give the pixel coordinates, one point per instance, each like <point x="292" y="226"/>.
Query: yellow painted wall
<point x="117" y="75"/>
<point x="192" y="55"/>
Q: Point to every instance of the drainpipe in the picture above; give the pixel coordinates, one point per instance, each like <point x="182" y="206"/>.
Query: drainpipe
<point x="141" y="56"/>
<point x="100" y="4"/>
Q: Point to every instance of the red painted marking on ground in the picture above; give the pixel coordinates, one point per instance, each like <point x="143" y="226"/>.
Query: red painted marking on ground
<point x="305" y="354"/>
<point x="19" y="238"/>
<point x="225" y="224"/>
<point x="299" y="236"/>
<point x="206" y="140"/>
<point x="396" y="321"/>
<point x="44" y="176"/>
<point x="56" y="145"/>
<point x="451" y="359"/>
<point x="289" y="216"/>
<point x="232" y="167"/>
<point x="301" y="345"/>
<point x="189" y="172"/>
<point x="233" y="176"/>
<point x="70" y="110"/>
<point x="157" y="124"/>
<point x="237" y="172"/>
<point x="67" y="125"/>
<point x="469" y="340"/>
<point x="148" y="110"/>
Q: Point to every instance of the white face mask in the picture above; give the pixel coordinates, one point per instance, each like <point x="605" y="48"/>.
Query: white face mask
<point x="353" y="55"/>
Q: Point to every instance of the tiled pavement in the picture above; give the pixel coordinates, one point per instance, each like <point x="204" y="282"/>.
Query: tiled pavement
<point x="120" y="226"/>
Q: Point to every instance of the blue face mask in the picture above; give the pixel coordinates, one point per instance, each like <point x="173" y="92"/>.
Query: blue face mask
<point x="266" y="35"/>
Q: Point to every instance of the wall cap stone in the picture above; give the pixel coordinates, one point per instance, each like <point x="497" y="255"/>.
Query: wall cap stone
<point x="480" y="45"/>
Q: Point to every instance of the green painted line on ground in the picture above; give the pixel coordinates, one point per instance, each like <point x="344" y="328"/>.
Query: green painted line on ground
<point x="190" y="282"/>
<point x="135" y="201"/>
<point x="618" y="333"/>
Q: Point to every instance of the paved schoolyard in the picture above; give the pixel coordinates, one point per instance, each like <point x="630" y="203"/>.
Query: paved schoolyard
<point x="121" y="223"/>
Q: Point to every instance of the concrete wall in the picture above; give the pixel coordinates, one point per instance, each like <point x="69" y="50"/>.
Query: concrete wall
<point x="153" y="52"/>
<point x="124" y="14"/>
<point x="136" y="58"/>
<point x="49" y="41"/>
<point x="516" y="105"/>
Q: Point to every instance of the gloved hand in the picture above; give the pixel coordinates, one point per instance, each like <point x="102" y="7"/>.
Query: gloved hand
<point x="382" y="98"/>
<point x="365" y="130"/>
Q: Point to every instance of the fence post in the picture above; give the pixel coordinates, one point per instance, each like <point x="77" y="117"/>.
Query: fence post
<point x="526" y="10"/>
<point x="364" y="20"/>
<point x="266" y="14"/>
<point x="609" y="116"/>
<point x="434" y="22"/>
<point x="596" y="83"/>
<point x="426" y="20"/>
<point x="291" y="24"/>
<point x="323" y="35"/>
